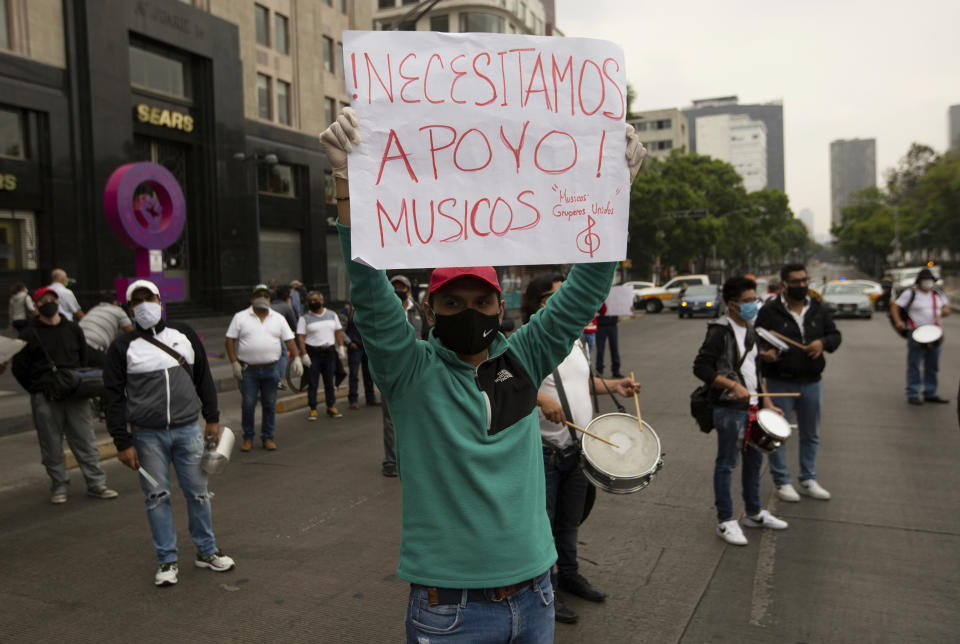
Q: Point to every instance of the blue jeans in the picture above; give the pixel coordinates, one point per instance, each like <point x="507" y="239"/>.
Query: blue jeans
<point x="929" y="357"/>
<point x="322" y="364"/>
<point x="605" y="333"/>
<point x="731" y="427"/>
<point x="357" y="363"/>
<point x="262" y="382"/>
<point x="282" y="363"/>
<point x="156" y="449"/>
<point x="807" y="407"/>
<point x="590" y="339"/>
<point x="566" y="494"/>
<point x="526" y="617"/>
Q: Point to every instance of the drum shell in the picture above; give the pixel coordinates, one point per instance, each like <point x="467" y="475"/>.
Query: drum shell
<point x="764" y="441"/>
<point x="618" y="484"/>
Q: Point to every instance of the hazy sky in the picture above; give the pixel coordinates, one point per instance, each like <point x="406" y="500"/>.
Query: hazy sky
<point x="843" y="68"/>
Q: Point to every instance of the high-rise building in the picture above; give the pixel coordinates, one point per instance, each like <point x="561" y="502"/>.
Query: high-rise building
<point x="740" y="141"/>
<point x="458" y="16"/>
<point x="806" y="216"/>
<point x="953" y="127"/>
<point x="771" y="114"/>
<point x="661" y="131"/>
<point x="853" y="167"/>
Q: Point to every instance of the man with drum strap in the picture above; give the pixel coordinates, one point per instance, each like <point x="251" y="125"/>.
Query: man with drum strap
<point x="729" y="361"/>
<point x="924" y="305"/>
<point x="476" y="542"/>
<point x="802" y="319"/>
<point x="565" y="396"/>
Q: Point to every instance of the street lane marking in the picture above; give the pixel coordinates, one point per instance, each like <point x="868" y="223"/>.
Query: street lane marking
<point x="766" y="557"/>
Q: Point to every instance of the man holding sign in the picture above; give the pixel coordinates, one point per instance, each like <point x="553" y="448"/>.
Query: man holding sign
<point x="476" y="543"/>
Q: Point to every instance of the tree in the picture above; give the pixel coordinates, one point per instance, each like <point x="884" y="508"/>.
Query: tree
<point x="866" y="230"/>
<point x="631" y="97"/>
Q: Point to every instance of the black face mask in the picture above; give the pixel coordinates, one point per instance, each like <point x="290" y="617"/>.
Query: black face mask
<point x="797" y="293"/>
<point x="48" y="309"/>
<point x="468" y="332"/>
<point x="315" y="306"/>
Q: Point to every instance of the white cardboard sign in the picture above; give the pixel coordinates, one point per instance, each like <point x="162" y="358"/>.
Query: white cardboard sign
<point x="486" y="149"/>
<point x="620" y="300"/>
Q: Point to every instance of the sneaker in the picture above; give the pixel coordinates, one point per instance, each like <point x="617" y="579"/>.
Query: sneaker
<point x="788" y="493"/>
<point x="389" y="469"/>
<point x="166" y="575"/>
<point x="562" y="613"/>
<point x="730" y="532"/>
<point x="246" y="445"/>
<point x="281" y="386"/>
<point x="763" y="520"/>
<point x="914" y="401"/>
<point x="812" y="489"/>
<point x="617" y="375"/>
<point x="58" y="498"/>
<point x="332" y="412"/>
<point x="354" y="405"/>
<point x="103" y="493"/>
<point x="313" y="415"/>
<point x="216" y="561"/>
<point x="576" y="584"/>
<point x="269" y="445"/>
<point x="935" y="399"/>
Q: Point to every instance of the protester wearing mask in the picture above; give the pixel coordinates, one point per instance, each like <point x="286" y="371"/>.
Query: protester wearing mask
<point x="320" y="336"/>
<point x="924" y="304"/>
<point x="157" y="383"/>
<point x="253" y="344"/>
<point x="804" y="320"/>
<point x="53" y="340"/>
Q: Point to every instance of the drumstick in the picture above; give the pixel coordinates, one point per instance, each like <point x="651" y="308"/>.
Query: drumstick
<point x="787" y="340"/>
<point x="636" y="401"/>
<point x="778" y="395"/>
<point x="591" y="434"/>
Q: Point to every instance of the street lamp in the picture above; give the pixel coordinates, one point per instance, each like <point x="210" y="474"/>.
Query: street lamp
<point x="255" y="160"/>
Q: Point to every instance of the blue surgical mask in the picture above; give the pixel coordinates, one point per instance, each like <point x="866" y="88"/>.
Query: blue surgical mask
<point x="749" y="310"/>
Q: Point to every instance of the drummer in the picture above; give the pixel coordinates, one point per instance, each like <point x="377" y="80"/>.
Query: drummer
<point x="567" y="486"/>
<point x="924" y="304"/>
<point x="729" y="360"/>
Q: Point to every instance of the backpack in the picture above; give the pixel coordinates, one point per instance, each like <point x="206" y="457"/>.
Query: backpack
<point x="904" y="314"/>
<point x="702" y="399"/>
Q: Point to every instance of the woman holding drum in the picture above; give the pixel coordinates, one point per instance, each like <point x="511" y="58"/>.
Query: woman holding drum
<point x="918" y="311"/>
<point x="729" y="361"/>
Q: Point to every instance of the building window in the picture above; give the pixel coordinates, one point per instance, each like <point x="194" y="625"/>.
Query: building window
<point x="328" y="55"/>
<point x="276" y="180"/>
<point x="342" y="68"/>
<point x="282" y="34"/>
<point x="641" y="127"/>
<point x="329" y="110"/>
<point x="11" y="134"/>
<point x="440" y="23"/>
<point x="158" y="72"/>
<point x="263" y="97"/>
<point x="342" y="6"/>
<point x="18" y="240"/>
<point x="386" y="4"/>
<point x="262" y="15"/>
<point x="481" y="23"/>
<point x="4" y="25"/>
<point x="283" y="102"/>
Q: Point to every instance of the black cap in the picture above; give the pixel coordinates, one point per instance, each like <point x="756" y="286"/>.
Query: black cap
<point x="925" y="274"/>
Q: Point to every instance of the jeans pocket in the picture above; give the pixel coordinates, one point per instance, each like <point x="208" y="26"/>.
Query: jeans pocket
<point x="544" y="588"/>
<point x="421" y="616"/>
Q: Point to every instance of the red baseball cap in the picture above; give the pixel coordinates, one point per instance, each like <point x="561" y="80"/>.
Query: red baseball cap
<point x="442" y="276"/>
<point x="43" y="290"/>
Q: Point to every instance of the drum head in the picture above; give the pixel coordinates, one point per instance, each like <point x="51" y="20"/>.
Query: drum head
<point x="927" y="333"/>
<point x="771" y="339"/>
<point x="636" y="454"/>
<point x="774" y="424"/>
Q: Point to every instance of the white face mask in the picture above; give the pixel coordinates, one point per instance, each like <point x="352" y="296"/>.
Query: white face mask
<point x="261" y="303"/>
<point x="147" y="314"/>
<point x="926" y="284"/>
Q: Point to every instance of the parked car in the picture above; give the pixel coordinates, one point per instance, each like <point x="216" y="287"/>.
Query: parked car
<point x="871" y="289"/>
<point x="637" y="287"/>
<point x="654" y="299"/>
<point x="847" y="300"/>
<point x="700" y="299"/>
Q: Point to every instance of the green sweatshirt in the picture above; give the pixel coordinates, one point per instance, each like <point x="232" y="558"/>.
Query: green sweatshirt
<point x="468" y="440"/>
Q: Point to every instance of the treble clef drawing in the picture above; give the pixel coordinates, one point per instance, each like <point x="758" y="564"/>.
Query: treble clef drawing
<point x="587" y="241"/>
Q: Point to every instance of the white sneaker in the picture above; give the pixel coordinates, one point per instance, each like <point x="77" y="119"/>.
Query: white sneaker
<point x="217" y="561"/>
<point x="763" y="520"/>
<point x="788" y="493"/>
<point x="812" y="489"/>
<point x="166" y="574"/>
<point x="730" y="532"/>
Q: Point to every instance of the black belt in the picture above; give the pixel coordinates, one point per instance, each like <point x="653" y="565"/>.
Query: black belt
<point x="441" y="596"/>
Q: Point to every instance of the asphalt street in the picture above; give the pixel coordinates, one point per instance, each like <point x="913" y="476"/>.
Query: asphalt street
<point x="314" y="528"/>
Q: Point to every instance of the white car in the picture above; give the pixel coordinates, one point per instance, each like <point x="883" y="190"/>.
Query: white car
<point x="843" y="299"/>
<point x="652" y="300"/>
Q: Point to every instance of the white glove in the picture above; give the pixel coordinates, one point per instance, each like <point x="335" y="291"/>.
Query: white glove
<point x="341" y="352"/>
<point x="237" y="371"/>
<point x="296" y="368"/>
<point x="635" y="152"/>
<point x="335" y="141"/>
<point x="305" y="358"/>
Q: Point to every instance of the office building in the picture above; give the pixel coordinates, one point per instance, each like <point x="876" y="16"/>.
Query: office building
<point x="771" y="114"/>
<point x="661" y="131"/>
<point x="460" y="16"/>
<point x="953" y="127"/>
<point x="738" y="140"/>
<point x="806" y="216"/>
<point x="853" y="167"/>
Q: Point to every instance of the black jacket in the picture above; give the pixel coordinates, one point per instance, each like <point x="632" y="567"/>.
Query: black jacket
<point x="794" y="364"/>
<point x="65" y="344"/>
<point x="720" y="355"/>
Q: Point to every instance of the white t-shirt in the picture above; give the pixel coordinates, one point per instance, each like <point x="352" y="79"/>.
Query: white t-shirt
<point x="797" y="318"/>
<point x="68" y="301"/>
<point x="258" y="342"/>
<point x="319" y="330"/>
<point x="102" y="324"/>
<point x="575" y="374"/>
<point x="921" y="310"/>
<point x="749" y="367"/>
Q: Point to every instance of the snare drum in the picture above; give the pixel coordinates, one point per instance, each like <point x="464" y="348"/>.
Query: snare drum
<point x="770" y="431"/>
<point x="631" y="465"/>
<point x="928" y="335"/>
